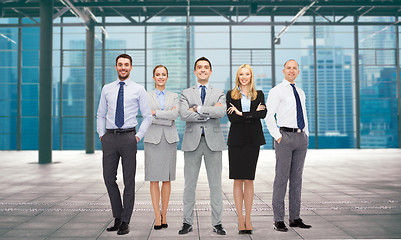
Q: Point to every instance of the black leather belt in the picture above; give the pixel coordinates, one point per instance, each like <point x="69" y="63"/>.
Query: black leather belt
<point x="118" y="131"/>
<point x="286" y="129"/>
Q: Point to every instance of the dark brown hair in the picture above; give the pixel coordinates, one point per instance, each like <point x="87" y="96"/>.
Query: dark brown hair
<point x="124" y="56"/>
<point x="202" y="59"/>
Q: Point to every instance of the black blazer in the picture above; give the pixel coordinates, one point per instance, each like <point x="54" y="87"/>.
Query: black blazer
<point x="246" y="128"/>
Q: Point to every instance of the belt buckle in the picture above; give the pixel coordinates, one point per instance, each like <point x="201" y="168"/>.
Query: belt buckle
<point x="298" y="130"/>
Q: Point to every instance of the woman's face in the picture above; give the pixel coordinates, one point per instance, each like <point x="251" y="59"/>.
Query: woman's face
<point x="160" y="77"/>
<point x="244" y="76"/>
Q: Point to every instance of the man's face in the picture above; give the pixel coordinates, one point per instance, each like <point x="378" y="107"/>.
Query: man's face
<point x="123" y="68"/>
<point x="202" y="71"/>
<point x="291" y="71"/>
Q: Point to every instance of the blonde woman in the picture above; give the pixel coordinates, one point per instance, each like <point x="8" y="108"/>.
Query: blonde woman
<point x="245" y="108"/>
<point x="161" y="145"/>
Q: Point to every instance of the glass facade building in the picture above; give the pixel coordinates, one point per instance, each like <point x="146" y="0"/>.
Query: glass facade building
<point x="348" y="72"/>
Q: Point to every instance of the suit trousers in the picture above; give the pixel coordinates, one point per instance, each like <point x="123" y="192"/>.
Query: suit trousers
<point x="290" y="159"/>
<point x="114" y="146"/>
<point x="213" y="164"/>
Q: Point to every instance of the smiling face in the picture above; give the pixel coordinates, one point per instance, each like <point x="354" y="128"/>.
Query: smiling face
<point x="160" y="77"/>
<point x="202" y="71"/>
<point x="244" y="76"/>
<point x="291" y="71"/>
<point x="123" y="67"/>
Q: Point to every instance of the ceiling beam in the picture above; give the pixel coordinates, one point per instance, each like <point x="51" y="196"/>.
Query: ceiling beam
<point x="203" y="4"/>
<point x="125" y="15"/>
<point x="156" y="14"/>
<point x="293" y="20"/>
<point x="24" y="14"/>
<point x="221" y="14"/>
<point x="317" y="13"/>
<point x="60" y="12"/>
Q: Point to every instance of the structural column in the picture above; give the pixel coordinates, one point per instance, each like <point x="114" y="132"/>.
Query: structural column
<point x="397" y="66"/>
<point x="90" y="88"/>
<point x="45" y="81"/>
<point x="315" y="84"/>
<point x="357" y="85"/>
<point x="273" y="58"/>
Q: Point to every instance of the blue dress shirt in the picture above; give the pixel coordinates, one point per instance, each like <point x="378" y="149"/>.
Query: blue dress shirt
<point x="161" y="96"/>
<point x="245" y="102"/>
<point x="135" y="98"/>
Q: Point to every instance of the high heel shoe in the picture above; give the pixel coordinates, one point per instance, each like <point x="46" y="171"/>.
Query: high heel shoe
<point x="158" y="227"/>
<point x="241" y="232"/>
<point x="164" y="225"/>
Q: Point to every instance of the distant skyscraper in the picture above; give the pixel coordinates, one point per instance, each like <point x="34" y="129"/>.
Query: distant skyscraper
<point x="334" y="96"/>
<point x="169" y="44"/>
<point x="379" y="112"/>
<point x="376" y="43"/>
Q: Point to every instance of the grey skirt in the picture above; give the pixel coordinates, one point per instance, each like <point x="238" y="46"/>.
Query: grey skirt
<point x="160" y="161"/>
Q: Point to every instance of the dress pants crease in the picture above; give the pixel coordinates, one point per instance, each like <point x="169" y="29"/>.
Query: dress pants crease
<point x="290" y="159"/>
<point x="115" y="146"/>
<point x="213" y="164"/>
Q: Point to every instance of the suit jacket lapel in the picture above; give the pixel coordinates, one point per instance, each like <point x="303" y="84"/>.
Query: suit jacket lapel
<point x="209" y="92"/>
<point x="168" y="101"/>
<point x="238" y="104"/>
<point x="197" y="95"/>
<point x="154" y="95"/>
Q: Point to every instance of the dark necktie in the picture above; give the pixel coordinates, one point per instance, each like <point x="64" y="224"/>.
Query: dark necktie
<point x="300" y="115"/>
<point x="203" y="93"/>
<point x="119" y="119"/>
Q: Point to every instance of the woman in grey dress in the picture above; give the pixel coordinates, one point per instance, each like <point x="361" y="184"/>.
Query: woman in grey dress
<point x="161" y="144"/>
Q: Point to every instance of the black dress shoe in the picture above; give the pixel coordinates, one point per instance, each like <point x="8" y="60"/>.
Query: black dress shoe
<point x="299" y="223"/>
<point x="117" y="224"/>
<point x="241" y="232"/>
<point x="124" y="229"/>
<point x="186" y="228"/>
<point x="219" y="230"/>
<point x="248" y="231"/>
<point x="280" y="226"/>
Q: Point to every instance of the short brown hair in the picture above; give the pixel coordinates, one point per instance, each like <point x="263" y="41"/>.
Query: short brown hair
<point x="124" y="56"/>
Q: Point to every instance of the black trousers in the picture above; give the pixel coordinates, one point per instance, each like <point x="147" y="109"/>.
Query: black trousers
<point x="114" y="146"/>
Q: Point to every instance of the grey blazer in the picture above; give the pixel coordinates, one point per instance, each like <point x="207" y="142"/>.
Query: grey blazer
<point x="164" y="120"/>
<point x="208" y="118"/>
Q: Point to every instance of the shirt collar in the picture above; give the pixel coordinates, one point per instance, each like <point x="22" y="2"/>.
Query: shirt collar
<point x="158" y="92"/>
<point x="207" y="85"/>
<point x="126" y="81"/>
<point x="242" y="92"/>
<point x="285" y="82"/>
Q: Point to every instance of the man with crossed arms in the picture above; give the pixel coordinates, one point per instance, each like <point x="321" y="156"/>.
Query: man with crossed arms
<point x="201" y="107"/>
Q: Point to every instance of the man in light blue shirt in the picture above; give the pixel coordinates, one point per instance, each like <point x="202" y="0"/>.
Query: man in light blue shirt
<point x="116" y="126"/>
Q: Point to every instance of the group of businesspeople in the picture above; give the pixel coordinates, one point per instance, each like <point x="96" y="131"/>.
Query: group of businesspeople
<point x="201" y="107"/>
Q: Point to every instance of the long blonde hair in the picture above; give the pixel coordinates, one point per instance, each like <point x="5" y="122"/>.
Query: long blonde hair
<point x="236" y="93"/>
